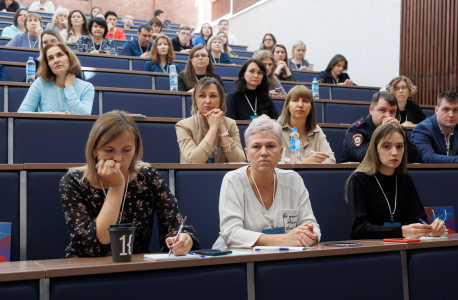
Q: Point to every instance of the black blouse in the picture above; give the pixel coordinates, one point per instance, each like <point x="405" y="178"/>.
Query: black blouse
<point x="370" y="210"/>
<point x="287" y="78"/>
<point x="182" y="87"/>
<point x="411" y="113"/>
<point x="146" y="195"/>
<point x="12" y="8"/>
<point x="326" y="77"/>
<point x="239" y="109"/>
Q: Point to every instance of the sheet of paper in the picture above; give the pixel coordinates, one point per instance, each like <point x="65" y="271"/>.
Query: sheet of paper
<point x="427" y="238"/>
<point x="165" y="257"/>
<point x="277" y="248"/>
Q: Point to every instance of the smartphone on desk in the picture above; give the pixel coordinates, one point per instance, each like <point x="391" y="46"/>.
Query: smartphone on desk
<point x="278" y="90"/>
<point x="343" y="244"/>
<point x="212" y="252"/>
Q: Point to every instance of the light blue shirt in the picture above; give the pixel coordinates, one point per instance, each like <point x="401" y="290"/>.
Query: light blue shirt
<point x="43" y="95"/>
<point x="10" y="31"/>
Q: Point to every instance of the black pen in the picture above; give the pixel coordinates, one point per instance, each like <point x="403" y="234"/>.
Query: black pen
<point x="179" y="231"/>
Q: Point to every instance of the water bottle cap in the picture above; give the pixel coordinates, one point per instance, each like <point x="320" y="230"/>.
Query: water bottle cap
<point x="314" y="79"/>
<point x="30" y="58"/>
<point x="172" y="68"/>
<point x="294" y="129"/>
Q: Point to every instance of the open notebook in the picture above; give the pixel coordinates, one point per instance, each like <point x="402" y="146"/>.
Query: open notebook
<point x="164" y="257"/>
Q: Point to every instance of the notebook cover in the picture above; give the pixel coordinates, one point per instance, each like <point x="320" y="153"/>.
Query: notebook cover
<point x="5" y="241"/>
<point x="445" y="213"/>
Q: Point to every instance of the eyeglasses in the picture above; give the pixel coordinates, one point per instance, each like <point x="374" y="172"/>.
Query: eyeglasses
<point x="200" y="55"/>
<point x="185" y="33"/>
<point x="268" y="40"/>
<point x="259" y="73"/>
<point x="404" y="88"/>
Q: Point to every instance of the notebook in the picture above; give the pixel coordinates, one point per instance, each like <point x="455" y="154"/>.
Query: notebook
<point x="165" y="257"/>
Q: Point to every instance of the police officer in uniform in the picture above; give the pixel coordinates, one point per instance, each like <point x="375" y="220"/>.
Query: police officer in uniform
<point x="382" y="110"/>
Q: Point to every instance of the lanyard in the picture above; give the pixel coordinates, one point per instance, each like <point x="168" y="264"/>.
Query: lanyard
<point x="123" y="200"/>
<point x="167" y="68"/>
<point x="335" y="81"/>
<point x="30" y="45"/>
<point x="141" y="48"/>
<point x="255" y="104"/>
<point x="295" y="65"/>
<point x="214" y="60"/>
<point x="58" y="92"/>
<point x="271" y="217"/>
<point x="395" y="198"/>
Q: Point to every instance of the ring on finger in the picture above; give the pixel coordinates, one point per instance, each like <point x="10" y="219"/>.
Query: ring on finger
<point x="111" y="165"/>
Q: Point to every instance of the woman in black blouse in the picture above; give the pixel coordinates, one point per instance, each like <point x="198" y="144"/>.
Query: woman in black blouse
<point x="251" y="97"/>
<point x="385" y="203"/>
<point x="409" y="113"/>
<point x="199" y="65"/>
<point x="95" y="196"/>
<point x="334" y="72"/>
<point x="281" y="60"/>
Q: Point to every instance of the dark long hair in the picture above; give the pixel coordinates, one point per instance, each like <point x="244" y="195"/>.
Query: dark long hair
<point x="189" y="74"/>
<point x="262" y="90"/>
<point x="335" y="60"/>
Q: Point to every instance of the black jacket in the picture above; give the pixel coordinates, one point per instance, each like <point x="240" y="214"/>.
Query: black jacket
<point x="177" y="46"/>
<point x="413" y="113"/>
<point x="326" y="77"/>
<point x="12" y="8"/>
<point x="357" y="141"/>
<point x="182" y="87"/>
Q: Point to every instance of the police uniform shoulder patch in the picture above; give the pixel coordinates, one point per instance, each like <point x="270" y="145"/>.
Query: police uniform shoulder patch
<point x="359" y="122"/>
<point x="357" y="139"/>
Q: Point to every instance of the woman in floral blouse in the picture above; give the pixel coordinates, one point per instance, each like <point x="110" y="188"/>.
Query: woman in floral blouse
<point x="96" y="42"/>
<point x="95" y="195"/>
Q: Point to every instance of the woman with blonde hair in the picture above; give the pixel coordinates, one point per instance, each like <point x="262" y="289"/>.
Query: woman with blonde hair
<point x="226" y="48"/>
<point x="94" y="12"/>
<point x="299" y="112"/>
<point x="161" y="56"/>
<point x="77" y="27"/>
<point x="297" y="61"/>
<point x="282" y="71"/>
<point x="275" y="87"/>
<point x="115" y="186"/>
<point x="59" y="20"/>
<point x="409" y="113"/>
<point x="57" y="90"/>
<point x="215" y="47"/>
<point x="384" y="201"/>
<point x="208" y="136"/>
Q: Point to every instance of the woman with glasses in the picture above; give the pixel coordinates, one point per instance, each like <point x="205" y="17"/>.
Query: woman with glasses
<point x="251" y="97"/>
<point x="268" y="43"/>
<point x="409" y="113"/>
<point x="199" y="65"/>
<point x="215" y="46"/>
<point x="182" y="42"/>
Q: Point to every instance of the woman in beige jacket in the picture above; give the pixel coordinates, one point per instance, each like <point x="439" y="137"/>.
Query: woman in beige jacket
<point x="299" y="112"/>
<point x="208" y="136"/>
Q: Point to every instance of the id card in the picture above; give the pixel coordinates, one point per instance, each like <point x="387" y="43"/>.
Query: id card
<point x="277" y="230"/>
<point x="392" y="224"/>
<point x="253" y="117"/>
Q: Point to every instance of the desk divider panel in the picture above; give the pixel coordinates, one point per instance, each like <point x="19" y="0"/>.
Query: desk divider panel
<point x="335" y="137"/>
<point x="2" y="99"/>
<point x="162" y="83"/>
<point x="243" y="54"/>
<point x="198" y="192"/>
<point x="50" y="140"/>
<point x="229" y="85"/>
<point x="362" y="276"/>
<point x="16" y="94"/>
<point x="4" y="42"/>
<point x="428" y="111"/>
<point x="227" y="71"/>
<point x="14" y="73"/>
<point x="357" y="94"/>
<point x="47" y="235"/>
<point x="27" y="289"/>
<point x="9" y="212"/>
<point x="159" y="142"/>
<point x="150" y="105"/>
<point x="3" y="141"/>
<point x="305" y="77"/>
<point x="221" y="282"/>
<point x="154" y="244"/>
<point x="326" y="191"/>
<point x="344" y="113"/>
<point x="104" y="62"/>
<point x="138" y="65"/>
<point x="119" y="80"/>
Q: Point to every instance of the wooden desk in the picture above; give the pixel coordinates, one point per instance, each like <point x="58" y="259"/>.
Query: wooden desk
<point x="20" y="270"/>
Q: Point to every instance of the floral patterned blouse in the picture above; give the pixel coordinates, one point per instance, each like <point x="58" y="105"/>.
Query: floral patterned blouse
<point x="146" y="195"/>
<point x="86" y="45"/>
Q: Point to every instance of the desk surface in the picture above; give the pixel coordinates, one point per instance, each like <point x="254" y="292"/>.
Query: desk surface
<point x="21" y="270"/>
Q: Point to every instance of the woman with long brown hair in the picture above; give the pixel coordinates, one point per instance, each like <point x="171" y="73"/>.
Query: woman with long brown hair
<point x="115" y="186"/>
<point x="281" y="59"/>
<point x="335" y="72"/>
<point x="161" y="56"/>
<point x="199" y="65"/>
<point x="275" y="87"/>
<point x="384" y="201"/>
<point x="77" y="27"/>
<point x="268" y="43"/>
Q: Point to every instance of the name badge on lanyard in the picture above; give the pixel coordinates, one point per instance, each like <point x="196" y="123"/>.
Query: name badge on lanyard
<point x="253" y="117"/>
<point x="392" y="224"/>
<point x="277" y="230"/>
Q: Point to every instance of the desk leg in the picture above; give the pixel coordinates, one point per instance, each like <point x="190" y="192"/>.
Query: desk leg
<point x="405" y="275"/>
<point x="250" y="281"/>
<point x="44" y="289"/>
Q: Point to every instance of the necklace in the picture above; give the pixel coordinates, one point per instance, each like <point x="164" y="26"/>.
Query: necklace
<point x="270" y="217"/>
<point x="58" y="92"/>
<point x="123" y="200"/>
<point x="30" y="45"/>
<point x="100" y="48"/>
<point x="395" y="198"/>
<point x="295" y="65"/>
<point x="255" y="104"/>
<point x="142" y="50"/>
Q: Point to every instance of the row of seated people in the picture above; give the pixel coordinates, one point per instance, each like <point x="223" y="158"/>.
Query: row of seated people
<point x="250" y="100"/>
<point x="259" y="204"/>
<point x="39" y="5"/>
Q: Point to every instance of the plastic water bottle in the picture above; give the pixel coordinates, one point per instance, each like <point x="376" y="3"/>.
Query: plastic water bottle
<point x="30" y="70"/>
<point x="295" y="147"/>
<point x="315" y="89"/>
<point x="173" y="79"/>
<point x="21" y="6"/>
<point x="60" y="5"/>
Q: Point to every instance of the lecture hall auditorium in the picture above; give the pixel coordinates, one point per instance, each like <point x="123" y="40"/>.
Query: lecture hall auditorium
<point x="414" y="38"/>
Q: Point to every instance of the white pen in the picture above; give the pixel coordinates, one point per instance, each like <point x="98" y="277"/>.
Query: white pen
<point x="178" y="234"/>
<point x="278" y="248"/>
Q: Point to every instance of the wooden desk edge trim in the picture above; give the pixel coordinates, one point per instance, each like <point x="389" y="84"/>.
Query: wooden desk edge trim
<point x="21" y="276"/>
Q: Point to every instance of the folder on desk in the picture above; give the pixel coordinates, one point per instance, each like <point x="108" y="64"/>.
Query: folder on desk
<point x="445" y="214"/>
<point x="5" y="241"/>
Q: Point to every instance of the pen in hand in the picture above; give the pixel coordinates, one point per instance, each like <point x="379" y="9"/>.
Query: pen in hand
<point x="179" y="231"/>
